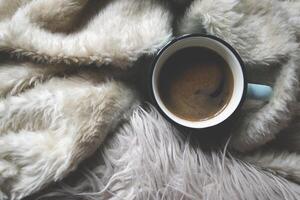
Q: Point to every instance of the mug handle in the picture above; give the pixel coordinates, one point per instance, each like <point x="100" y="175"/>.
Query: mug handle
<point x="259" y="92"/>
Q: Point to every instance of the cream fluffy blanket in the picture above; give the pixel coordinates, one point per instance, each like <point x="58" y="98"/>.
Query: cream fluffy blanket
<point x="72" y="72"/>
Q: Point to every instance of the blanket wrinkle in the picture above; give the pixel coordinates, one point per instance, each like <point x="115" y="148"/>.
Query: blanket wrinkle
<point x="37" y="128"/>
<point x="71" y="81"/>
<point x="92" y="45"/>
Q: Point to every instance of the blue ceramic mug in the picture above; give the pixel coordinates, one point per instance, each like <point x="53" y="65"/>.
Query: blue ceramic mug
<point x="241" y="88"/>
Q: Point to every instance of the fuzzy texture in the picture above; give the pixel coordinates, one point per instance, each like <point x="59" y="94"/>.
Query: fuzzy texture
<point x="17" y="77"/>
<point x="45" y="131"/>
<point x="159" y="163"/>
<point x="57" y="105"/>
<point x="283" y="163"/>
<point x="129" y="28"/>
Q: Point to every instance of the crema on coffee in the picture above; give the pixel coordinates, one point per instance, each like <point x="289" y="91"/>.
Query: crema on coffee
<point x="195" y="84"/>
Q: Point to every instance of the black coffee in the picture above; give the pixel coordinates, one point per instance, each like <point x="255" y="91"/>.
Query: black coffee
<point x="195" y="83"/>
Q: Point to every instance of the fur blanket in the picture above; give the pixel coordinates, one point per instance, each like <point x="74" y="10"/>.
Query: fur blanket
<point x="72" y="72"/>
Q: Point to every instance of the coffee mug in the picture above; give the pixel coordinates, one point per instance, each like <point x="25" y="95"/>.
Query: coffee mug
<point x="241" y="88"/>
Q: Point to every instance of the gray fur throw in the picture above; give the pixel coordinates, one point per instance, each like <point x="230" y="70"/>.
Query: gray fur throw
<point x="74" y="125"/>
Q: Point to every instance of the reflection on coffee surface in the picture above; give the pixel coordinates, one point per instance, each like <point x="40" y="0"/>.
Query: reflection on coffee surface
<point x="195" y="84"/>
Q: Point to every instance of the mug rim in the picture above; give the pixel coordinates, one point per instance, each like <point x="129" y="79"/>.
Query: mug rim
<point x="172" y="41"/>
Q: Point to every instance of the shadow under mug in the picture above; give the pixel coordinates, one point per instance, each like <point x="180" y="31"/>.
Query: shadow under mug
<point x="241" y="88"/>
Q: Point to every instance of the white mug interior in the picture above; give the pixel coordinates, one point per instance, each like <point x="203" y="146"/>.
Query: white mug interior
<point x="228" y="56"/>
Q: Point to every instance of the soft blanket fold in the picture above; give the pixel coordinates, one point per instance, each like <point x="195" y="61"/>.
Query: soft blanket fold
<point x="62" y="91"/>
